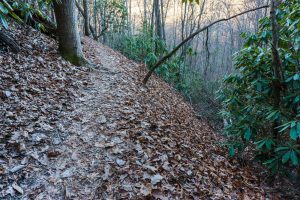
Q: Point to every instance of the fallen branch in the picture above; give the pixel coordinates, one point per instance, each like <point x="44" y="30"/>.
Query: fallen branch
<point x="166" y="57"/>
<point x="7" y="40"/>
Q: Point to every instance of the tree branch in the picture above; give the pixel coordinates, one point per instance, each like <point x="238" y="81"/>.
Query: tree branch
<point x="166" y="57"/>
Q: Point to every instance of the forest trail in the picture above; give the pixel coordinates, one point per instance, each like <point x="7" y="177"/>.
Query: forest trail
<point x="101" y="134"/>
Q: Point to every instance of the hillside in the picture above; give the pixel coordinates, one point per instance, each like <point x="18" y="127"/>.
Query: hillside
<point x="71" y="132"/>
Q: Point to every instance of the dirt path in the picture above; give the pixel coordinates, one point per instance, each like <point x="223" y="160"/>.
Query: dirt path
<point x="95" y="148"/>
<point x="122" y="140"/>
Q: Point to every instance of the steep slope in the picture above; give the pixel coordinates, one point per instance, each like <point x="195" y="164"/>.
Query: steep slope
<point x="74" y="133"/>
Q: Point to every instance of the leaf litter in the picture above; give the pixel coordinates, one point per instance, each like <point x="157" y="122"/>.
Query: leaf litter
<point x="72" y="132"/>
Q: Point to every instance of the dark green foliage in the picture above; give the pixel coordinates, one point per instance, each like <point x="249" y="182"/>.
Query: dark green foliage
<point x="27" y="10"/>
<point x="114" y="20"/>
<point x="248" y="98"/>
<point x="140" y="47"/>
<point x="147" y="48"/>
<point x="7" y="10"/>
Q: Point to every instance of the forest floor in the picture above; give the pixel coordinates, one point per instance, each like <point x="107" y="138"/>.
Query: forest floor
<point x="70" y="132"/>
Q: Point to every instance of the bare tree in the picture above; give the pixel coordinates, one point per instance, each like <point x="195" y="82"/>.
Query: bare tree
<point x="166" y="57"/>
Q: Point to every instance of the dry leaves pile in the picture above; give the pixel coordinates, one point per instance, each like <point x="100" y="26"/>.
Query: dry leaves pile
<point x="69" y="132"/>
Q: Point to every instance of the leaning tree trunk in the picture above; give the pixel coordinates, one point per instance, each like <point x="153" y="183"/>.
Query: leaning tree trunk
<point x="67" y="32"/>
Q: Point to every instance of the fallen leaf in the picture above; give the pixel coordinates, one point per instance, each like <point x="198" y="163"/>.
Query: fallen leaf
<point x="156" y="179"/>
<point x="17" y="188"/>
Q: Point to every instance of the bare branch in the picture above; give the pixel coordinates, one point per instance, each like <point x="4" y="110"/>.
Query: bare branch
<point x="166" y="57"/>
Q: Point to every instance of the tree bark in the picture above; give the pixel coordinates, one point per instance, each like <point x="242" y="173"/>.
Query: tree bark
<point x="207" y="54"/>
<point x="95" y="18"/>
<point x="145" y="23"/>
<point x="86" y="18"/>
<point x="163" y="23"/>
<point x="276" y="63"/>
<point x="67" y="32"/>
<point x="158" y="24"/>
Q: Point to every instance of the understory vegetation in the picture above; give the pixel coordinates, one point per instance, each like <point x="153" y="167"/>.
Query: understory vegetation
<point x="262" y="108"/>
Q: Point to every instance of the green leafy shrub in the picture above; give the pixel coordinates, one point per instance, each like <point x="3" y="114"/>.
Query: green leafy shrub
<point x="142" y="47"/>
<point x="27" y="11"/>
<point x="7" y="10"/>
<point x="147" y="48"/>
<point x="248" y="99"/>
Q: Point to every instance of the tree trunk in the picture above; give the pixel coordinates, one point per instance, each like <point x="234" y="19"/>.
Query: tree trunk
<point x="207" y="55"/>
<point x="276" y="62"/>
<point x="95" y="17"/>
<point x="158" y="25"/>
<point x="158" y="19"/>
<point x="67" y="32"/>
<point x="86" y="18"/>
<point x="162" y="20"/>
<point x="145" y="14"/>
